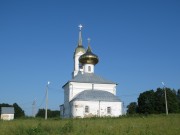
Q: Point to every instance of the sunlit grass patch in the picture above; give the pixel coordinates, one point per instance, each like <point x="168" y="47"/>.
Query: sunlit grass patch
<point x="126" y="125"/>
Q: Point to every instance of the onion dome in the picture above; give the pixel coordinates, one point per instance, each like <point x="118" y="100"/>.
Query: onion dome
<point x="80" y="47"/>
<point x="89" y="57"/>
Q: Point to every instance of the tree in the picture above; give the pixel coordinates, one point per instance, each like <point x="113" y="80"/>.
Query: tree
<point x="154" y="102"/>
<point x="51" y="114"/>
<point x="18" y="111"/>
<point x="41" y="113"/>
<point x="159" y="101"/>
<point x="54" y="114"/>
<point x="172" y="101"/>
<point x="146" y="102"/>
<point x="178" y="98"/>
<point x="132" y="108"/>
<point x="178" y="94"/>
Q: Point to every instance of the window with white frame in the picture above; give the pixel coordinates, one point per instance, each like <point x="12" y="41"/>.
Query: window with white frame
<point x="86" y="109"/>
<point x="109" y="110"/>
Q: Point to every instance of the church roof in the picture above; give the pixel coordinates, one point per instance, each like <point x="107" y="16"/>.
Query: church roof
<point x="96" y="95"/>
<point x="90" y="78"/>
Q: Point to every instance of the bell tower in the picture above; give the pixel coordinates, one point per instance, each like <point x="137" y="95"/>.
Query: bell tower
<point x="78" y="52"/>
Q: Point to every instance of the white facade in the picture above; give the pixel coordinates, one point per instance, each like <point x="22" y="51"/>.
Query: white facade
<point x="95" y="109"/>
<point x="88" y="68"/>
<point x="87" y="94"/>
<point x="72" y="89"/>
<point x="77" y="67"/>
<point x="7" y="116"/>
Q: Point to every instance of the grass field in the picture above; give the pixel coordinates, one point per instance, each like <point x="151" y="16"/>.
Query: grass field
<point x="137" y="125"/>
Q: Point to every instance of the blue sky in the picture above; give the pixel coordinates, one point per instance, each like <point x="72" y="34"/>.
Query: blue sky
<point x="138" y="44"/>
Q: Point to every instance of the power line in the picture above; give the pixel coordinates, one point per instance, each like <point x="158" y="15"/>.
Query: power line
<point x="55" y="89"/>
<point x="42" y="100"/>
<point x="33" y="108"/>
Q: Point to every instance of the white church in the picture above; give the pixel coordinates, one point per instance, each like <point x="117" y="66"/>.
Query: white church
<point x="87" y="94"/>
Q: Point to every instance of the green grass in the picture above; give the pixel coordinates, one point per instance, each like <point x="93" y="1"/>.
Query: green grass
<point x="126" y="125"/>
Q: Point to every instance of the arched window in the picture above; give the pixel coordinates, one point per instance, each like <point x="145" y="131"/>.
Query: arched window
<point x="109" y="110"/>
<point x="86" y="109"/>
<point x="89" y="68"/>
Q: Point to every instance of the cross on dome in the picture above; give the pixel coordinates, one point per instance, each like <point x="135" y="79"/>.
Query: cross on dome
<point x="89" y="41"/>
<point x="80" y="26"/>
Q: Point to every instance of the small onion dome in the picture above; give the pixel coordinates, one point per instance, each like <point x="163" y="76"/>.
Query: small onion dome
<point x="89" y="57"/>
<point x="80" y="48"/>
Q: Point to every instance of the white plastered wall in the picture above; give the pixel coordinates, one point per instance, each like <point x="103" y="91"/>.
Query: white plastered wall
<point x="76" y="64"/>
<point x="7" y="116"/>
<point x="96" y="108"/>
<point x="75" y="88"/>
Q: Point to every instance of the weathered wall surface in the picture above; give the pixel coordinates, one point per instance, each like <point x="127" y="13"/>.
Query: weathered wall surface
<point x="7" y="116"/>
<point x="96" y="108"/>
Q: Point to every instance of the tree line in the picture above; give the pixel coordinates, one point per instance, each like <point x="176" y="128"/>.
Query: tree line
<point x="19" y="112"/>
<point x="50" y="113"/>
<point x="153" y="102"/>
